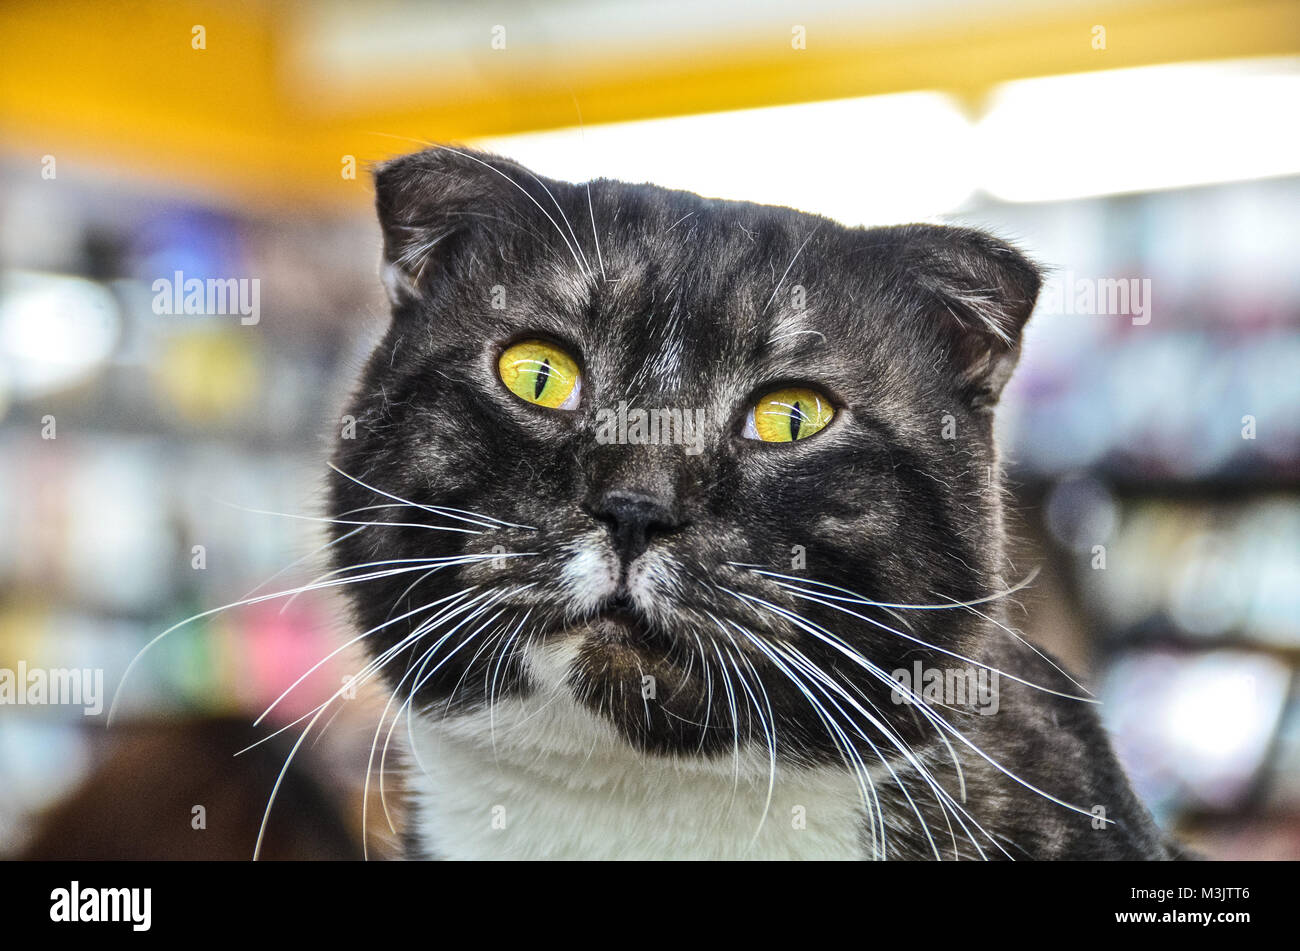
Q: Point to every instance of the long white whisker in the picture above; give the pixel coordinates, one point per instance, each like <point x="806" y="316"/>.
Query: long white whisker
<point x="826" y="636"/>
<point x="343" y="521"/>
<point x="434" y="509"/>
<point x="371" y="667"/>
<point x="855" y="596"/>
<point x="787" y="268"/>
<point x="383" y="756"/>
<point x="944" y="797"/>
<point x="492" y="168"/>
<point x="866" y="785"/>
<point x="342" y="647"/>
<point x="275" y="789"/>
<point x="241" y="603"/>
<point x="423" y="629"/>
<point x="943" y="650"/>
<point x="768" y="725"/>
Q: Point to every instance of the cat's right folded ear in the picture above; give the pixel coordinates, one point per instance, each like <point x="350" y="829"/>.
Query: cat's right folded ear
<point x="429" y="203"/>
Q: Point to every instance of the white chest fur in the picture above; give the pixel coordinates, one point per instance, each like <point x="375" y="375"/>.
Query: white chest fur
<point x="543" y="778"/>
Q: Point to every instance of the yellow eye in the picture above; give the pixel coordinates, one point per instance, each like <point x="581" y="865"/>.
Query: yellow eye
<point x="788" y="414"/>
<point x="540" y="373"/>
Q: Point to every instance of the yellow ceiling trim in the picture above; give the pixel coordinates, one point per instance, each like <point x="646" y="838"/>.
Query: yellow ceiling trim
<point x="120" y="87"/>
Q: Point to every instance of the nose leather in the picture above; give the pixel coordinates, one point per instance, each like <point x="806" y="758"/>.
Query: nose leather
<point x="633" y="518"/>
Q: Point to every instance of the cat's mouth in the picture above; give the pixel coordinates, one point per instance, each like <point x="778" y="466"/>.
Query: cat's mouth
<point x="619" y="623"/>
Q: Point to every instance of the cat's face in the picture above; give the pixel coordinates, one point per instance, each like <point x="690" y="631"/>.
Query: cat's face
<point x="701" y="585"/>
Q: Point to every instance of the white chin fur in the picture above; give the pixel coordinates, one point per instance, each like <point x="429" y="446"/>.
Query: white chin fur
<point x="544" y="778"/>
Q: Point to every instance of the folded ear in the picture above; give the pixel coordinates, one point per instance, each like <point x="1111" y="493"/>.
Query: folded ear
<point x="977" y="294"/>
<point x="430" y="203"/>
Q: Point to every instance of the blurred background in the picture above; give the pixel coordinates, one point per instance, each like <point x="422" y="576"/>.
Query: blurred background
<point x="155" y="465"/>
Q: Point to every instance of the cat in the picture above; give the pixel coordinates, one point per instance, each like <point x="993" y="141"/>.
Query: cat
<point x="675" y="526"/>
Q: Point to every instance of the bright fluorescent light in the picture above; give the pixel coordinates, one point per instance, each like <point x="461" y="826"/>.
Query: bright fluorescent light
<point x="1134" y="130"/>
<point x="874" y="160"/>
<point x="54" y="330"/>
<point x="915" y="156"/>
<point x="1218" y="718"/>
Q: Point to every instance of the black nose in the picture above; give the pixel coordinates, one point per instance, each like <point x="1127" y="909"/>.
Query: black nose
<point x="633" y="518"/>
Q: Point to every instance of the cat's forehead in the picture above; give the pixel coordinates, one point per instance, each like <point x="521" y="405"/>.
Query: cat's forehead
<point x="676" y="298"/>
<point x="671" y="329"/>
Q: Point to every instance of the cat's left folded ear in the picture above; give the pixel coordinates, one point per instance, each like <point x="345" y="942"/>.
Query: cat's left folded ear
<point x="977" y="295"/>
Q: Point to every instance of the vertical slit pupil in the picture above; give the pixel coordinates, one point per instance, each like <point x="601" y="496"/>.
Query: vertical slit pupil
<point x="543" y="375"/>
<point x="796" y="419"/>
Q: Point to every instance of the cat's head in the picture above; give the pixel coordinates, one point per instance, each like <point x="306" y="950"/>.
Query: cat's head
<point x="503" y="490"/>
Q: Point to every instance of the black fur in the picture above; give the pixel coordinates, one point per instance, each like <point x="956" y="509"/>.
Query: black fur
<point x="911" y="331"/>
